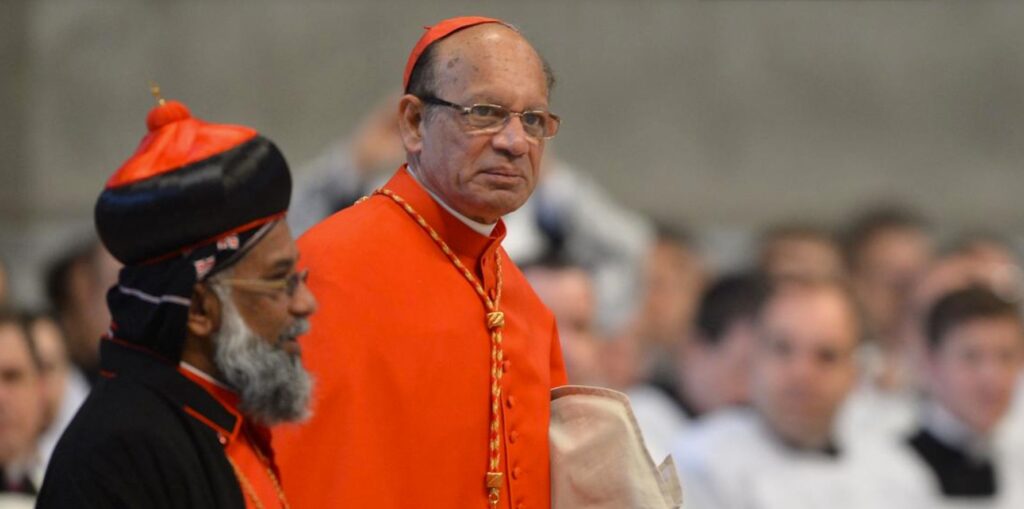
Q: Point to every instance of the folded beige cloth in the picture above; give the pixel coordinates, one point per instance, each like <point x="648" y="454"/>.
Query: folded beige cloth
<point x="598" y="457"/>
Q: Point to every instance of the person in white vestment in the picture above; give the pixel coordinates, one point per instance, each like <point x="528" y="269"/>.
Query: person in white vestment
<point x="713" y="365"/>
<point x="963" y="454"/>
<point x="888" y="252"/>
<point x="974" y="259"/>
<point x="783" y="453"/>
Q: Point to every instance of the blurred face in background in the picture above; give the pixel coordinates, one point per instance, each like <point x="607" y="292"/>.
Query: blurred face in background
<point x="104" y="269"/>
<point x="885" y="270"/>
<point x="569" y="293"/>
<point x="974" y="370"/>
<point x="804" y="363"/>
<point x="801" y="254"/>
<point x="621" y="357"/>
<point x="376" y="144"/>
<point x="952" y="272"/>
<point x="990" y="252"/>
<point x="717" y="375"/>
<point x="53" y="355"/>
<point x="21" y="396"/>
<point x="995" y="263"/>
<point x="674" y="279"/>
<point x="84" y="315"/>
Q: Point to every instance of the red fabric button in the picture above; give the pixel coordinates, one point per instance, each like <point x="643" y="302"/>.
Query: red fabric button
<point x="512" y="437"/>
<point x="510" y="401"/>
<point x="515" y="473"/>
<point x="505" y="365"/>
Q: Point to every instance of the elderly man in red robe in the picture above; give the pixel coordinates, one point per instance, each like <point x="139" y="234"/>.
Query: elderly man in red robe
<point x="433" y="357"/>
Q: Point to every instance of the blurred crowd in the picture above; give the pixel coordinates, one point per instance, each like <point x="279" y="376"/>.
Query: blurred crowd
<point x="864" y="367"/>
<point x="864" y="364"/>
<point x="49" y="358"/>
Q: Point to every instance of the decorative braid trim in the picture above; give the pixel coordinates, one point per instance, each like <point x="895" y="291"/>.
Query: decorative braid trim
<point x="495" y="320"/>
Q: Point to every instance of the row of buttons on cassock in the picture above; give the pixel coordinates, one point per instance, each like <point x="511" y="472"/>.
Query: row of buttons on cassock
<point x="513" y="435"/>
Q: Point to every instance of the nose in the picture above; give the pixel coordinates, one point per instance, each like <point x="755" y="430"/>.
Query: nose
<point x="303" y="303"/>
<point x="512" y="138"/>
<point x="802" y="369"/>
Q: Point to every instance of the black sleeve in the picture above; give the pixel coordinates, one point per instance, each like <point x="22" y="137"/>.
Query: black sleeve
<point x="126" y="473"/>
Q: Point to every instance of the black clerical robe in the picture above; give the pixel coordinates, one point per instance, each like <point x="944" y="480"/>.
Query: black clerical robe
<point x="958" y="474"/>
<point x="146" y="437"/>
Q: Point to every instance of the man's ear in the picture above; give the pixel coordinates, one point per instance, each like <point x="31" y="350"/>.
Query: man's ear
<point x="204" y="313"/>
<point x="410" y="123"/>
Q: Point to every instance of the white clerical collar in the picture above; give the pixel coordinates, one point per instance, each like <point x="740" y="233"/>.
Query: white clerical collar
<point x="953" y="432"/>
<point x="829" y="450"/>
<point x="202" y="374"/>
<point x="481" y="228"/>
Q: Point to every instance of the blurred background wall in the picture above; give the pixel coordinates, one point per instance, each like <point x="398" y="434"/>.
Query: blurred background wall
<point x="723" y="116"/>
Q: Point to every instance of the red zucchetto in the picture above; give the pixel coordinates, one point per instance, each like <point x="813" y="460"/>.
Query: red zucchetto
<point x="437" y="32"/>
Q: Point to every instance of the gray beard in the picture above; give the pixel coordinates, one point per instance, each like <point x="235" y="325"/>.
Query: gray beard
<point x="272" y="384"/>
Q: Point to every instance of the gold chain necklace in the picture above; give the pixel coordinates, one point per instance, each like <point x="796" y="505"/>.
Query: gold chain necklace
<point x="245" y="481"/>
<point x="495" y="322"/>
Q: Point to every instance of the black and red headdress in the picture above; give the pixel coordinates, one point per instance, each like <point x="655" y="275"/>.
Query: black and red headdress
<point x="191" y="201"/>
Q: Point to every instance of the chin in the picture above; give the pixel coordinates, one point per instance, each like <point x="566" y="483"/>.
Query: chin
<point x="490" y="211"/>
<point x="505" y="205"/>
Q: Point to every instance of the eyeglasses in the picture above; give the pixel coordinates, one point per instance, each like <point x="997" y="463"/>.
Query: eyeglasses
<point x="537" y="124"/>
<point x="289" y="284"/>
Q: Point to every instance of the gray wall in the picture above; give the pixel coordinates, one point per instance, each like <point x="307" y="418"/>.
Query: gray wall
<point x="722" y="115"/>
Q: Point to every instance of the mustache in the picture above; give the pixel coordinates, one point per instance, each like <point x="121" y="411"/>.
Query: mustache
<point x="296" y="329"/>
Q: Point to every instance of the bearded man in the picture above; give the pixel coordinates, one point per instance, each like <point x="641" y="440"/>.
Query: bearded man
<point x="201" y="355"/>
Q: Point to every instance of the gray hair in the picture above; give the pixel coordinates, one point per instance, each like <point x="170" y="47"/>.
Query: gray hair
<point x="272" y="384"/>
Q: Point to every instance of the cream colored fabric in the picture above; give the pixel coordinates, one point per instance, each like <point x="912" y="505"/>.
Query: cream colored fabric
<point x="16" y="501"/>
<point x="598" y="456"/>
